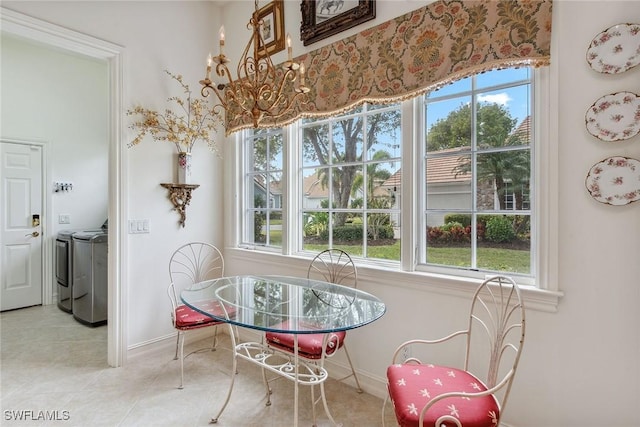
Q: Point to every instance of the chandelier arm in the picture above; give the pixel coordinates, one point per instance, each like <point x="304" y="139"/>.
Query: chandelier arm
<point x="276" y="96"/>
<point x="219" y="90"/>
<point x="246" y="61"/>
<point x="288" y="76"/>
<point x="206" y="89"/>
<point x="259" y="89"/>
<point x="286" y="109"/>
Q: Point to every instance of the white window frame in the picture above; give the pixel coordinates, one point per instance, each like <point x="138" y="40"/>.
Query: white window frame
<point x="299" y="128"/>
<point x="420" y="252"/>
<point x="543" y="295"/>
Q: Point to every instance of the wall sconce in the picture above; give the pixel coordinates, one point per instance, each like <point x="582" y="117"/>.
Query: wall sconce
<point x="180" y="197"/>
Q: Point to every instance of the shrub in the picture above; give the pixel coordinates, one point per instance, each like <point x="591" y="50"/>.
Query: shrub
<point x="434" y="234"/>
<point x="463" y="219"/>
<point x="380" y="232"/>
<point x="449" y="225"/>
<point x="449" y="233"/>
<point x="499" y="230"/>
<point x="344" y="233"/>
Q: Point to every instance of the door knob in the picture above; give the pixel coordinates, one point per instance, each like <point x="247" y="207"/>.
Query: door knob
<point x="34" y="234"/>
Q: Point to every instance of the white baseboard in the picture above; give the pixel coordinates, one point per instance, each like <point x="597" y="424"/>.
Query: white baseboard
<point x="167" y="343"/>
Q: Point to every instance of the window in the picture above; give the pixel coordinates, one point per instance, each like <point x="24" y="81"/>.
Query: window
<point x="348" y="166"/>
<point x="263" y="188"/>
<point x="477" y="173"/>
<point x="470" y="200"/>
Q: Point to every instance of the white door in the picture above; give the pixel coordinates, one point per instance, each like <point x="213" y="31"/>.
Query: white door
<point x="20" y="219"/>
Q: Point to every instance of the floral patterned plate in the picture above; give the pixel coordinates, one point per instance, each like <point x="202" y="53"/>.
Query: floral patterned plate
<point x="616" y="49"/>
<point x="614" y="117"/>
<point x="615" y="181"/>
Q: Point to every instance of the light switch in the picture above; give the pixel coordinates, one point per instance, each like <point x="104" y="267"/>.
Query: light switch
<point x="138" y="226"/>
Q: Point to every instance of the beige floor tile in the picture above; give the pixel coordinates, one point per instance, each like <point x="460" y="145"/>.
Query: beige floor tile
<point x="53" y="364"/>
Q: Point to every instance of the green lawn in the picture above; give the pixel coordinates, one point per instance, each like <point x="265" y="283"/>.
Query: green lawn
<point x="494" y="259"/>
<point x="517" y="261"/>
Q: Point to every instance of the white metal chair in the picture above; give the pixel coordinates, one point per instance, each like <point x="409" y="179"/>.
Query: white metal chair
<point x="192" y="263"/>
<point x="330" y="265"/>
<point x="425" y="394"/>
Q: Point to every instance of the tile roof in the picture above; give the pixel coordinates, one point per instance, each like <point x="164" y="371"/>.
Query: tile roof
<point x="441" y="169"/>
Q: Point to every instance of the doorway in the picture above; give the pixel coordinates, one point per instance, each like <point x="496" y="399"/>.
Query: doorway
<point x="22" y="26"/>
<point x="21" y="235"/>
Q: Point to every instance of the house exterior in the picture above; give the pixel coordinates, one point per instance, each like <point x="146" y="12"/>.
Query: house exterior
<point x="448" y="188"/>
<point x="274" y="196"/>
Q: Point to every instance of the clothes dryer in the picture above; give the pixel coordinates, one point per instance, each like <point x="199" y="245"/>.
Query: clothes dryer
<point x="89" y="289"/>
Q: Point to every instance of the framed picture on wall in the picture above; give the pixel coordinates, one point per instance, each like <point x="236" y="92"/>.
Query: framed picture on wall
<point x="272" y="16"/>
<point x="324" y="18"/>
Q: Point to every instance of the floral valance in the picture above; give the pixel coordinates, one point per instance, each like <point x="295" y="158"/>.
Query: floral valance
<point x="419" y="52"/>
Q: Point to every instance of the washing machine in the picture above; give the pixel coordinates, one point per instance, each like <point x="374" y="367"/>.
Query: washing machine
<point x="89" y="290"/>
<point x="64" y="269"/>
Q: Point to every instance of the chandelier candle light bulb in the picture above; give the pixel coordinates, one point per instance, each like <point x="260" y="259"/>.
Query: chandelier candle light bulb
<point x="302" y="69"/>
<point x="221" y="40"/>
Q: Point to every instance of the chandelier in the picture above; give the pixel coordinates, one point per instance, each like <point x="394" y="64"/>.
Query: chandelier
<point x="259" y="91"/>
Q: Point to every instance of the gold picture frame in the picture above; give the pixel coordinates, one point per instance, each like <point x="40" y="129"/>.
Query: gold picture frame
<point x="324" y="18"/>
<point x="272" y="17"/>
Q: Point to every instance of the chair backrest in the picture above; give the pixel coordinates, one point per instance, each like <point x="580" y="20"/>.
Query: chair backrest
<point x="335" y="266"/>
<point x="194" y="262"/>
<point x="497" y="313"/>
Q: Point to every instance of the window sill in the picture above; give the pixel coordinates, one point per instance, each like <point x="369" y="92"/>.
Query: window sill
<point x="271" y="263"/>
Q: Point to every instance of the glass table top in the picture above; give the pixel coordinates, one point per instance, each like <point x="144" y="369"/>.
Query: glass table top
<point x="284" y="304"/>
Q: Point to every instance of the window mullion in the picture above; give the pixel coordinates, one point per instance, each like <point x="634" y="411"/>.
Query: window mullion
<point x="291" y="205"/>
<point x="474" y="175"/>
<point x="412" y="183"/>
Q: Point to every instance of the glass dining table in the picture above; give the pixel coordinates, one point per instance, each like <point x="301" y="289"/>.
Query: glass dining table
<point x="282" y="304"/>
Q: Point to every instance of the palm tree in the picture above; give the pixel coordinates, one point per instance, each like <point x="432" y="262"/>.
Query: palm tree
<point x="374" y="175"/>
<point x="495" y="131"/>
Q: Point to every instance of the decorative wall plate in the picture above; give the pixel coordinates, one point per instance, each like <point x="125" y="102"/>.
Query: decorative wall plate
<point x="615" y="181"/>
<point x="614" y="117"/>
<point x="616" y="49"/>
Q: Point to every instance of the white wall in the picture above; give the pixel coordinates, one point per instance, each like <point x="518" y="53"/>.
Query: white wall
<point x="61" y="99"/>
<point x="580" y="365"/>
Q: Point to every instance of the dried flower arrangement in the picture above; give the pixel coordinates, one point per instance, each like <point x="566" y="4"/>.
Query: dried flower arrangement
<point x="196" y="121"/>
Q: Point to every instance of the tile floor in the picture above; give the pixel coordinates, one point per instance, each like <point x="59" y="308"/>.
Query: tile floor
<point x="50" y="362"/>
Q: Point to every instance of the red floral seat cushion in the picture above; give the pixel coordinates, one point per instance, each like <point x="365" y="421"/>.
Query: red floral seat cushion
<point x="309" y="345"/>
<point x="412" y="386"/>
<point x="188" y="318"/>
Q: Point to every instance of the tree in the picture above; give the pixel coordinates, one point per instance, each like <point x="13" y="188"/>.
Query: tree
<point x="376" y="222"/>
<point x="375" y="175"/>
<point x="494" y="129"/>
<point x="350" y="141"/>
<point x="260" y="157"/>
<point x="493" y="122"/>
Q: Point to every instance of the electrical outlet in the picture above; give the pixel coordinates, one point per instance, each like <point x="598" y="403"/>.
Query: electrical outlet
<point x="64" y="219"/>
